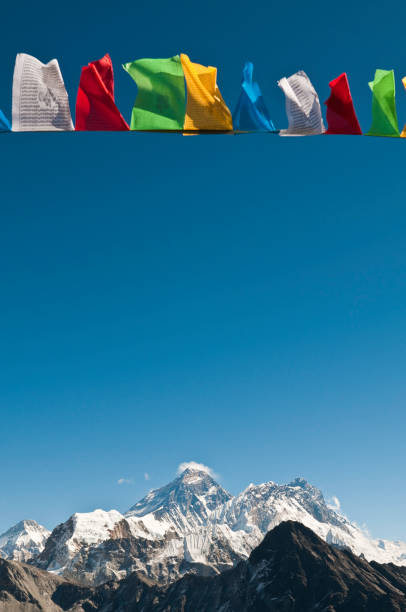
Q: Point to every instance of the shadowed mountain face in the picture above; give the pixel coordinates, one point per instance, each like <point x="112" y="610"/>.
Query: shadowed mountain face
<point x="25" y="588"/>
<point x="292" y="570"/>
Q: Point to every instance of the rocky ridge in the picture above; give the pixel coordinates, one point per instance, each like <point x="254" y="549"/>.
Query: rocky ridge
<point x="292" y="570"/>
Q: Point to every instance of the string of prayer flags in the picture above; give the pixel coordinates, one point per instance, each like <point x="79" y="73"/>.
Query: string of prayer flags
<point x="341" y="117"/>
<point x="251" y="114"/>
<point x="384" y="116"/>
<point x="95" y="105"/>
<point x="40" y="100"/>
<point x="4" y="123"/>
<point x="161" y="99"/>
<point x="302" y="106"/>
<point x="176" y="94"/>
<point x="205" y="107"/>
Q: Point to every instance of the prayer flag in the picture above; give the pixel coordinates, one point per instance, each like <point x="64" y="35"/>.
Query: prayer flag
<point x="384" y="116"/>
<point x="341" y="117"/>
<point x="4" y="123"/>
<point x="95" y="105"/>
<point x="403" y="134"/>
<point x="40" y="100"/>
<point x="205" y="108"/>
<point x="302" y="106"/>
<point x="161" y="99"/>
<point x="251" y="113"/>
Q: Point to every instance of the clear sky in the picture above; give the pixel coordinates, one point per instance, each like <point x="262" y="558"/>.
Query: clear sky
<point x="237" y="301"/>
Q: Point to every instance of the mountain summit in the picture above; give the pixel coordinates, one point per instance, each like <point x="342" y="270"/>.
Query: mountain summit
<point x="23" y="541"/>
<point x="188" y="502"/>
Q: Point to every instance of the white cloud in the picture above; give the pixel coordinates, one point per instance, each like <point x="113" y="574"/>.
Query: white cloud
<point x="121" y="481"/>
<point x="146" y="476"/>
<point x="335" y="504"/>
<point x="193" y="465"/>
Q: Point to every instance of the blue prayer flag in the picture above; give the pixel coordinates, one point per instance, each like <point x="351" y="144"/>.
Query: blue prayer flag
<point x="4" y="123"/>
<point x="251" y="113"/>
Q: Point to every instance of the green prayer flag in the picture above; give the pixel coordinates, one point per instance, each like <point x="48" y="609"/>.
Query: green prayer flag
<point x="161" y="99"/>
<point x="384" y="117"/>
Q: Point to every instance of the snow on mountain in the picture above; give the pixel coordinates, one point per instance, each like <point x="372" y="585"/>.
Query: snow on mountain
<point x="260" y="508"/>
<point x="244" y="520"/>
<point x="188" y="503"/>
<point x="164" y="535"/>
<point x="194" y="525"/>
<point x="23" y="541"/>
<point x="69" y="543"/>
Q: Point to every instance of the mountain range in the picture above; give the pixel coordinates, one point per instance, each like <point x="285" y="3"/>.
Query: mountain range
<point x="292" y="570"/>
<point x="190" y="526"/>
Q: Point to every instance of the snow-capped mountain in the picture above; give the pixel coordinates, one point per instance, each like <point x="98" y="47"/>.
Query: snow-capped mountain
<point x="23" y="541"/>
<point x="194" y="525"/>
<point x="168" y="533"/>
<point x="187" y="503"/>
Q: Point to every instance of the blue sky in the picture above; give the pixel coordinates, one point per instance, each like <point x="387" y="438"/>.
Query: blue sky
<point x="237" y="301"/>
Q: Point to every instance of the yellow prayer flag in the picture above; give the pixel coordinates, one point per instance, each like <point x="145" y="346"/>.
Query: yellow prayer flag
<point x="403" y="134"/>
<point x="205" y="107"/>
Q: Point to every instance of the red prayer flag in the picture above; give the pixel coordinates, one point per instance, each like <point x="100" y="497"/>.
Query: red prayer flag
<point x="95" y="105"/>
<point x="341" y="117"/>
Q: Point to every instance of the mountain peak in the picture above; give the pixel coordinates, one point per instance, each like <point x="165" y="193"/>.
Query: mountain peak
<point x="300" y="482"/>
<point x="186" y="500"/>
<point x="24" y="540"/>
<point x="21" y="526"/>
<point x="288" y="534"/>
<point x="194" y="470"/>
<point x="193" y="475"/>
<point x="307" y="488"/>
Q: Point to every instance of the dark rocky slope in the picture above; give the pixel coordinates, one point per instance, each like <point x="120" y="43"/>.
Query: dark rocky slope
<point x="28" y="589"/>
<point x="292" y="570"/>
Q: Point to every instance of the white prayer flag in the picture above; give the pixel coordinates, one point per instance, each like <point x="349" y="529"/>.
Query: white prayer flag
<point x="40" y="100"/>
<point x="302" y="106"/>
